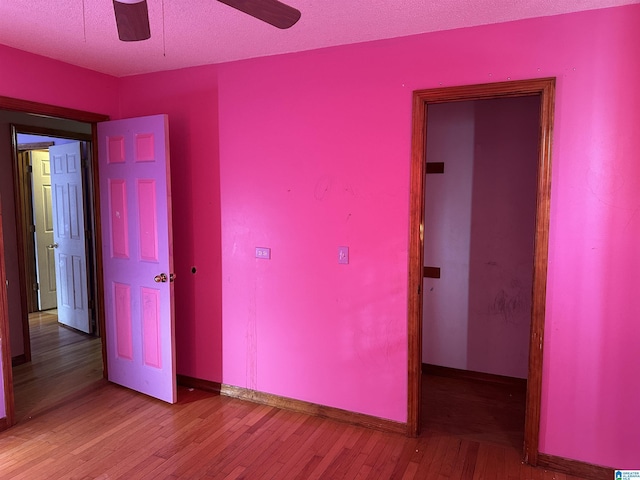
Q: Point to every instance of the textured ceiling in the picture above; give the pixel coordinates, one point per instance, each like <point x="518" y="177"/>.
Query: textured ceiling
<point x="197" y="32"/>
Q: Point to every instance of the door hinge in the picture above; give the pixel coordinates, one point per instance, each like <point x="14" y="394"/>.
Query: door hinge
<point x="29" y="169"/>
<point x="36" y="286"/>
<point x="32" y="228"/>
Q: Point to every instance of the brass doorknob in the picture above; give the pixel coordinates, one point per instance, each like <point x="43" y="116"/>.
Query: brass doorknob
<point x="162" y="278"/>
<point x="52" y="245"/>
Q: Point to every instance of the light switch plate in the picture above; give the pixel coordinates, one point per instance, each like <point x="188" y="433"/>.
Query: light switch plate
<point x="343" y="255"/>
<point x="263" y="252"/>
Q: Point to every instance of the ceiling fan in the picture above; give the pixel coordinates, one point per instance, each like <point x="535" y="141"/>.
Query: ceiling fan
<point x="132" y="16"/>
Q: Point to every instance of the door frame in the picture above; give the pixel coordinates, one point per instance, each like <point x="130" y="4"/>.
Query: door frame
<point x="5" y="358"/>
<point x="26" y="106"/>
<point x="545" y="88"/>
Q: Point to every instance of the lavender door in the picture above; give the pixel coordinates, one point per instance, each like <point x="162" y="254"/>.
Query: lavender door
<point x="135" y="204"/>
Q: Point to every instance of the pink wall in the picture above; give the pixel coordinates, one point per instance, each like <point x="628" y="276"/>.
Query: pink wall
<point x="591" y="393"/>
<point x="314" y="153"/>
<point x="311" y="159"/>
<point x="39" y="79"/>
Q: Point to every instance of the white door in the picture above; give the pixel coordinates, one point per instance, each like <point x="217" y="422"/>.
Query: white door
<point x="69" y="236"/>
<point x="43" y="219"/>
<point x="135" y="203"/>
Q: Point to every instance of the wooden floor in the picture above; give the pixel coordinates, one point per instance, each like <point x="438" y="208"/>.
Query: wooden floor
<point x="63" y="361"/>
<point x="107" y="432"/>
<point x="476" y="411"/>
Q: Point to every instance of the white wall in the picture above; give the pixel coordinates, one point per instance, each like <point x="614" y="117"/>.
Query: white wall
<point x="447" y="234"/>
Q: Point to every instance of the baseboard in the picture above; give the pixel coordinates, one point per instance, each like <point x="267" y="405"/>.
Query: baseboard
<point x="191" y="382"/>
<point x="3" y="424"/>
<point x="470" y="375"/>
<point x="300" y="406"/>
<point x="574" y="467"/>
<point x="18" y="360"/>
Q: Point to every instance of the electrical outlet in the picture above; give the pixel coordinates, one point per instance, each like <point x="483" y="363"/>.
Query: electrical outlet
<point x="263" y="252"/>
<point x="343" y="255"/>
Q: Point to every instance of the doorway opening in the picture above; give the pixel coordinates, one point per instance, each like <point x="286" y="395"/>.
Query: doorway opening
<point x="60" y="334"/>
<point x="54" y="193"/>
<point x="27" y="323"/>
<point x="543" y="89"/>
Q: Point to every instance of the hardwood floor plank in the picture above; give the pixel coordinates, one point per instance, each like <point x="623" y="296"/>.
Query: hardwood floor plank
<point x="260" y="445"/>
<point x="469" y="462"/>
<point x="411" y="471"/>
<point x="54" y="375"/>
<point x="341" y="460"/>
<point x="364" y="473"/>
<point x="265" y="452"/>
<point x="425" y="453"/>
<point x="271" y="461"/>
<point x="329" y="457"/>
<point x="352" y="449"/>
<point x="392" y="462"/>
<point x="305" y="440"/>
<point x="404" y="459"/>
<point x="382" y="458"/>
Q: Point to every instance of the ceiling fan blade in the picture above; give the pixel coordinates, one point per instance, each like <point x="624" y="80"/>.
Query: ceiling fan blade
<point x="271" y="11"/>
<point x="132" y="19"/>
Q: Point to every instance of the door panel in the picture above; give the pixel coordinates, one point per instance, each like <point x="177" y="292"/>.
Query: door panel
<point x="69" y="236"/>
<point x="43" y="214"/>
<point x="135" y="201"/>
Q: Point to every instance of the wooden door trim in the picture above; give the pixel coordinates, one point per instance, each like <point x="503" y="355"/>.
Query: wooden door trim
<point x="26" y="255"/>
<point x="7" y="377"/>
<point x="24" y="194"/>
<point x="26" y="106"/>
<point x="545" y="88"/>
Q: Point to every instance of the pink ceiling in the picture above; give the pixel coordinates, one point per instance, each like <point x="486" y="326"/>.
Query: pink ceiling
<point x="196" y="32"/>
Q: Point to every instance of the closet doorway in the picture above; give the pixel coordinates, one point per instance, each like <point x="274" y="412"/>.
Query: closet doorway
<point x="543" y="89"/>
